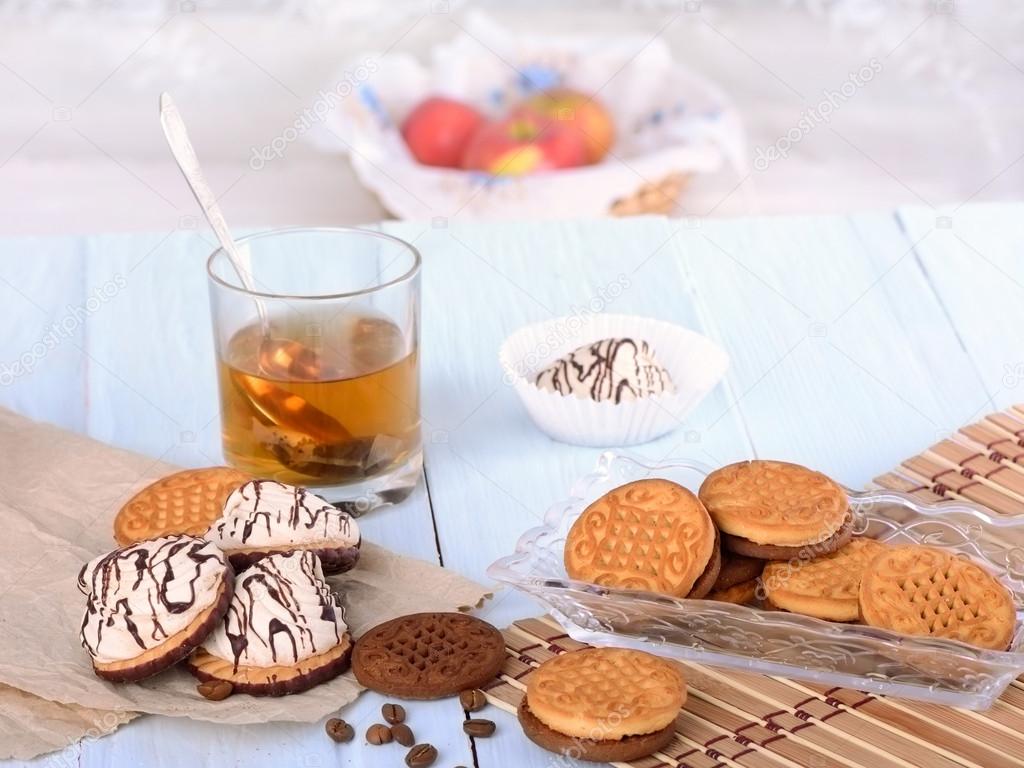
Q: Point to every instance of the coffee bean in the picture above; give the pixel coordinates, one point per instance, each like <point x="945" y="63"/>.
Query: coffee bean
<point x="473" y="700"/>
<point x="393" y="713"/>
<point x="339" y="730"/>
<point x="478" y="728"/>
<point x="215" y="690"/>
<point x="421" y="756"/>
<point x="403" y="734"/>
<point x="378" y="734"/>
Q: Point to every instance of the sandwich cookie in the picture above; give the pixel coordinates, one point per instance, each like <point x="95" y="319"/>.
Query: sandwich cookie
<point x="924" y="591"/>
<point x="428" y="655"/>
<point x="185" y="502"/>
<point x="826" y="587"/>
<point x="737" y="569"/>
<point x="737" y="580"/>
<point x="283" y="633"/>
<point x="744" y="593"/>
<point x="777" y="511"/>
<point x="150" y="604"/>
<point x="264" y="517"/>
<point x="603" y="704"/>
<point x="649" y="535"/>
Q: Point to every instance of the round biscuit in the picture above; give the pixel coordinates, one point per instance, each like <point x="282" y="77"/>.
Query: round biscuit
<point x="185" y="502"/>
<point x="615" y="691"/>
<point x="649" y="535"/>
<point x="826" y="587"/>
<point x="773" y="502"/>
<point x="920" y="590"/>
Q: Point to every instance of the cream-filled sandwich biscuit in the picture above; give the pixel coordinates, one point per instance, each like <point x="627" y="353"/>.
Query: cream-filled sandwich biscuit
<point x="774" y="510"/>
<point x="151" y="603"/>
<point x="603" y="704"/>
<point x="284" y="631"/>
<point x="264" y="517"/>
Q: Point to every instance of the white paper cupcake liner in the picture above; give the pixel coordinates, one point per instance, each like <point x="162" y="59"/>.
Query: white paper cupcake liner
<point x="695" y="363"/>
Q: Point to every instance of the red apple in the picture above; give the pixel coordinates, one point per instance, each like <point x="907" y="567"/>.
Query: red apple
<point x="523" y="143"/>
<point x="582" y="114"/>
<point x="438" y="129"/>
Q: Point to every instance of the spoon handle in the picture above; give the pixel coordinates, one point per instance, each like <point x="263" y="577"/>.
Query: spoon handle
<point x="185" y="156"/>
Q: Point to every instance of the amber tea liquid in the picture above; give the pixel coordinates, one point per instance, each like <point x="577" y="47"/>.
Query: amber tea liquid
<point x="326" y="399"/>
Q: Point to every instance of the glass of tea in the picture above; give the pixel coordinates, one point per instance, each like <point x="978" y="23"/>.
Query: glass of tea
<point x="318" y="361"/>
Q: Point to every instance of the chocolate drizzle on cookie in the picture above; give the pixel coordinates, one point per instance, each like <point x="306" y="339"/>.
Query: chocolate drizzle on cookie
<point x="610" y="369"/>
<point x="140" y="595"/>
<point x="267" y="513"/>
<point x="282" y="613"/>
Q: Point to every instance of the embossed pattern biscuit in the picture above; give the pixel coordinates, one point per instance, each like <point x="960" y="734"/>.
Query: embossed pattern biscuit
<point x="924" y="591"/>
<point x="647" y="535"/>
<point x="185" y="502"/>
<point x="428" y="655"/>
<point x="826" y="587"/>
<point x="772" y="502"/>
<point x="575" y="692"/>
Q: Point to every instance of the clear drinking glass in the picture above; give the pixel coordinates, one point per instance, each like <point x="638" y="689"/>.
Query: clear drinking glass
<point x="318" y="364"/>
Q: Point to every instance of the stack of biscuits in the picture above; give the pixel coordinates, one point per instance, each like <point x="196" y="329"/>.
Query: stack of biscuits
<point x="780" y="536"/>
<point x="227" y="573"/>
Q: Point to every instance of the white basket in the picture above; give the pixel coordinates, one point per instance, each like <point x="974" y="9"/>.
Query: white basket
<point x="668" y="119"/>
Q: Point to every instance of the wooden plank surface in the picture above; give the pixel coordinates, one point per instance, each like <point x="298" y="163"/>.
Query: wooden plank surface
<point x="854" y="345"/>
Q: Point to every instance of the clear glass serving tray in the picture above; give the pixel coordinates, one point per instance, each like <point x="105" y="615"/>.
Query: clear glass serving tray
<point x="775" y="642"/>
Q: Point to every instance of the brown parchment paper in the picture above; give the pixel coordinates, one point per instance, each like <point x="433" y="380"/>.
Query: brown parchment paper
<point x="59" y="493"/>
<point x="31" y="726"/>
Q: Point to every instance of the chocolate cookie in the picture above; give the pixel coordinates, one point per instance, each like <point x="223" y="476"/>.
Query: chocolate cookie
<point x="744" y="593"/>
<point x="428" y="655"/>
<point x="737" y="569"/>
<point x="707" y="580"/>
<point x="603" y="751"/>
<point x="745" y="547"/>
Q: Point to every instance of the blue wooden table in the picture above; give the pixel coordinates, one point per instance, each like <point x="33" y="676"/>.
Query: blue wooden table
<point x="855" y="342"/>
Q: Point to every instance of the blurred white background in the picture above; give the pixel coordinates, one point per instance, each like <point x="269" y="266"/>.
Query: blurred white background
<point x="81" y="151"/>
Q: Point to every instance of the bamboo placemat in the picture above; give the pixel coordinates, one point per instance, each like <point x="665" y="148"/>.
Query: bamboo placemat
<point x="738" y="719"/>
<point x="982" y="462"/>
